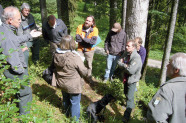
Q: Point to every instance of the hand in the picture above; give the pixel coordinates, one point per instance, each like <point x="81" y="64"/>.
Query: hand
<point x="35" y="33"/>
<point x="107" y="52"/>
<point x="122" y="60"/>
<point x="82" y="36"/>
<point x="24" y="49"/>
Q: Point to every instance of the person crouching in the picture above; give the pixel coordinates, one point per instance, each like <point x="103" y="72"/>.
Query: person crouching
<point x="68" y="76"/>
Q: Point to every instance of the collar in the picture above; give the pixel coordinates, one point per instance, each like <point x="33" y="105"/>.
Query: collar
<point x="174" y="80"/>
<point x="52" y="26"/>
<point x="60" y="51"/>
<point x="23" y="17"/>
<point x="132" y="54"/>
<point x="13" y="28"/>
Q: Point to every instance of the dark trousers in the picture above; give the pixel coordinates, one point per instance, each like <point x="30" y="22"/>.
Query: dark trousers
<point x="34" y="46"/>
<point x="25" y="93"/>
<point x="129" y="90"/>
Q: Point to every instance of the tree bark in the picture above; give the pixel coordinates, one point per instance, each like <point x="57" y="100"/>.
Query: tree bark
<point x="168" y="43"/>
<point x="113" y="13"/>
<point x="59" y="12"/>
<point x="147" y="41"/>
<point x="65" y="13"/>
<point x="136" y="19"/>
<point x="124" y="8"/>
<point x="43" y="10"/>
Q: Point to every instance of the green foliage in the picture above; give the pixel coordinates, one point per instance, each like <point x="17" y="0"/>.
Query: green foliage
<point x="43" y="63"/>
<point x="179" y="40"/>
<point x="145" y="92"/>
<point x="156" y="54"/>
<point x="8" y="89"/>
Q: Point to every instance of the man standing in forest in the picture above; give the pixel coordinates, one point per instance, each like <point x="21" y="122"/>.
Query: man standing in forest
<point x="168" y="104"/>
<point x="11" y="19"/>
<point x="131" y="64"/>
<point x="53" y="30"/>
<point x="86" y="36"/>
<point x="114" y="48"/>
<point x="27" y="25"/>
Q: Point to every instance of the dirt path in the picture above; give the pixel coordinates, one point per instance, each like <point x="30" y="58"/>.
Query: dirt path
<point x="151" y="62"/>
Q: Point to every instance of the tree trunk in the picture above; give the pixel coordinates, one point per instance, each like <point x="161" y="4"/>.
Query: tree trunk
<point x="124" y="8"/>
<point x="59" y="12"/>
<point x="113" y="12"/>
<point x="43" y="10"/>
<point x="147" y="41"/>
<point x="136" y="19"/>
<point x="65" y="13"/>
<point x="168" y="44"/>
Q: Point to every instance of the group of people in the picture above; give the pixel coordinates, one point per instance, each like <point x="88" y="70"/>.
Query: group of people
<point x="20" y="34"/>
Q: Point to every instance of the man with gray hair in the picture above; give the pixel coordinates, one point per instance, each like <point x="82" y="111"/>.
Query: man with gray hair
<point x="11" y="19"/>
<point x="169" y="103"/>
<point x="27" y="25"/>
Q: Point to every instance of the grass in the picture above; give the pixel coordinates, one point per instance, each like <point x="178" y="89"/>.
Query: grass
<point x="47" y="100"/>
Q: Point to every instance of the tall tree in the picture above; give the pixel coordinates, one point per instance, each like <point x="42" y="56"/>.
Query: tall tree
<point x="59" y="12"/>
<point x="124" y="8"/>
<point x="136" y="19"/>
<point x="147" y="39"/>
<point x="113" y="12"/>
<point x="168" y="42"/>
<point x="43" y="10"/>
<point x="66" y="11"/>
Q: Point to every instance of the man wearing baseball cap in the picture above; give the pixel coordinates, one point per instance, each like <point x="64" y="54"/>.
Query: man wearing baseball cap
<point x="114" y="47"/>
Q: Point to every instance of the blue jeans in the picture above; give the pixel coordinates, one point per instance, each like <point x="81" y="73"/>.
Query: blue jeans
<point x="111" y="65"/>
<point x="71" y="103"/>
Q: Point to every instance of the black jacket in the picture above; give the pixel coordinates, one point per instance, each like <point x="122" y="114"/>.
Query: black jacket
<point x="115" y="42"/>
<point x="54" y="34"/>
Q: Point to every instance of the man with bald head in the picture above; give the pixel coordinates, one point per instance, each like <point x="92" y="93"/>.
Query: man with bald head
<point x="114" y="47"/>
<point x="11" y="19"/>
<point x="169" y="103"/>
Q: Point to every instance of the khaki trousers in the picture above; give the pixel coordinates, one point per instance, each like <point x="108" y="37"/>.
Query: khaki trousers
<point x="89" y="58"/>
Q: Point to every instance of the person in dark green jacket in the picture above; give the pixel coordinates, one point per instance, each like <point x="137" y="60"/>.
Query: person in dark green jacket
<point x="131" y="64"/>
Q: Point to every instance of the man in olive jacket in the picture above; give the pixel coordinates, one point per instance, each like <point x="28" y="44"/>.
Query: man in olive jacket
<point x="131" y="64"/>
<point x="169" y="103"/>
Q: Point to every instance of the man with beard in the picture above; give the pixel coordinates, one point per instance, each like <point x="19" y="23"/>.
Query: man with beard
<point x="169" y="103"/>
<point x="131" y="65"/>
<point x="86" y="36"/>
